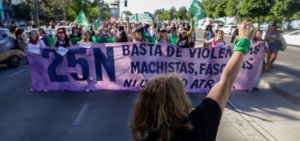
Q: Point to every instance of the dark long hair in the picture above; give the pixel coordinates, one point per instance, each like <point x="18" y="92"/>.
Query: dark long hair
<point x="64" y="32"/>
<point x="73" y="29"/>
<point x="18" y="32"/>
<point x="180" y="37"/>
<point x="273" y="23"/>
<point x="161" y="110"/>
<point x="84" y="36"/>
<point x="122" y="37"/>
<point x="256" y="33"/>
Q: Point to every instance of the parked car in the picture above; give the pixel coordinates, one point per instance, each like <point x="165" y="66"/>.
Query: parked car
<point x="17" y="24"/>
<point x="216" y="26"/>
<point x="8" y="42"/>
<point x="293" y="38"/>
<point x="201" y="27"/>
<point x="49" y="32"/>
<point x="228" y="29"/>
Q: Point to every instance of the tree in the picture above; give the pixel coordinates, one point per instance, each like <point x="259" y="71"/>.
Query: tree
<point x="172" y="12"/>
<point x="165" y="16"/>
<point x="255" y="9"/>
<point x="157" y="12"/>
<point x="23" y="9"/>
<point x="232" y="8"/>
<point x="127" y="13"/>
<point x="286" y="10"/>
<point x="220" y="9"/>
<point x="209" y="7"/>
<point x="232" y="23"/>
<point x="181" y="14"/>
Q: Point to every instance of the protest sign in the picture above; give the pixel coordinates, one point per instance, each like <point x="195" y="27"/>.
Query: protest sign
<point x="128" y="66"/>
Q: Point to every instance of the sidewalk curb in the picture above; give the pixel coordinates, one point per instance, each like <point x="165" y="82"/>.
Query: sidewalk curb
<point x="280" y="91"/>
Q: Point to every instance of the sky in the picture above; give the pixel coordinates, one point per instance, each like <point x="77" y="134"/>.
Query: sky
<point x="141" y="6"/>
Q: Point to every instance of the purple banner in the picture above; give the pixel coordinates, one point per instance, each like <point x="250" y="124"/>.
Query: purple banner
<point x="127" y="66"/>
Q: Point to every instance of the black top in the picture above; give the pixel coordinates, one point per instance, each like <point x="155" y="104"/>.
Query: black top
<point x="205" y="119"/>
<point x="73" y="36"/>
<point x="184" y="43"/>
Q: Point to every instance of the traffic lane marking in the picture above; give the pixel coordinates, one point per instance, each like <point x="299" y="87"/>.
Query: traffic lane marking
<point x="16" y="73"/>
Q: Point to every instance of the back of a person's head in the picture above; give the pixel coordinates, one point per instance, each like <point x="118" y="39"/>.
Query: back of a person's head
<point x="161" y="110"/>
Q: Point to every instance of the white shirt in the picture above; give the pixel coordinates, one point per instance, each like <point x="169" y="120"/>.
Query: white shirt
<point x="39" y="44"/>
<point x="219" y="44"/>
<point x="208" y="35"/>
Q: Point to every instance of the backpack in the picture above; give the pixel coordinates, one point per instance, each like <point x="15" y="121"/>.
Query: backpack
<point x="281" y="44"/>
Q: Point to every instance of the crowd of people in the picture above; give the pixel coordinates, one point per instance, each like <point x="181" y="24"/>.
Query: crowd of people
<point x="137" y="32"/>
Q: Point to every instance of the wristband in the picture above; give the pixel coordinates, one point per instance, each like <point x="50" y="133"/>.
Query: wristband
<point x="242" y="44"/>
<point x="192" y="23"/>
<point x="155" y="26"/>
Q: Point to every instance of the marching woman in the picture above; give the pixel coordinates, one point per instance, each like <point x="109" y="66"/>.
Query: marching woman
<point x="163" y="36"/>
<point x="122" y="37"/>
<point x="137" y="36"/>
<point x="41" y="34"/>
<point x="21" y="43"/>
<point x="183" y="40"/>
<point x="219" y="41"/>
<point x="258" y="40"/>
<point x="34" y="41"/>
<point x="208" y="34"/>
<point x="75" y="33"/>
<point x="272" y="36"/>
<point x="164" y="112"/>
<point x="87" y="38"/>
<point x="62" y="40"/>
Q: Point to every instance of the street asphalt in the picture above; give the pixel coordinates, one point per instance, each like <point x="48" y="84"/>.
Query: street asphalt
<point x="104" y="115"/>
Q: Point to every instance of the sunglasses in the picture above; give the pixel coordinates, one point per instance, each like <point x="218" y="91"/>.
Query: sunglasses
<point x="163" y="31"/>
<point x="87" y="34"/>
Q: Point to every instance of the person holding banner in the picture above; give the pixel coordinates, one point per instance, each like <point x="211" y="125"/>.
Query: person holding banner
<point x="164" y="112"/>
<point x="258" y="40"/>
<point x="75" y="33"/>
<point x="219" y="42"/>
<point x="87" y="38"/>
<point x="9" y="53"/>
<point x="137" y="36"/>
<point x="122" y="37"/>
<point x="62" y="40"/>
<point x="34" y="41"/>
<point x="183" y="40"/>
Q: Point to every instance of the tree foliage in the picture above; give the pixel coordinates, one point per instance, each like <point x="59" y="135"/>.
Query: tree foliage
<point x="209" y="7"/>
<point x="157" y="12"/>
<point x="181" y="14"/>
<point x="128" y="13"/>
<point x="220" y="9"/>
<point x="255" y="9"/>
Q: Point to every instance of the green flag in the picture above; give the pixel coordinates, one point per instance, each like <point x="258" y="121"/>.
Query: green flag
<point x="97" y="23"/>
<point x="158" y="21"/>
<point x="197" y="10"/>
<point x="82" y="20"/>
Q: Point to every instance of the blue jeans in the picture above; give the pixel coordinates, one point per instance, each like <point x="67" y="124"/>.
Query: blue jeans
<point x="24" y="60"/>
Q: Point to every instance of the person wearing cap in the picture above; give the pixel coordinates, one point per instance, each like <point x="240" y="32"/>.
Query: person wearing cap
<point x="62" y="40"/>
<point x="163" y="36"/>
<point x="184" y="41"/>
<point x="137" y="36"/>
